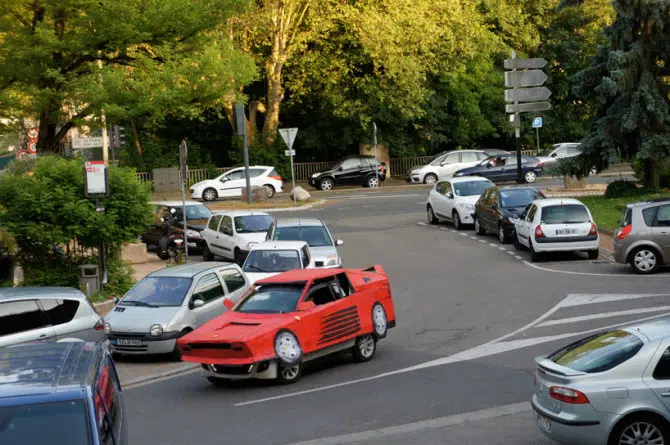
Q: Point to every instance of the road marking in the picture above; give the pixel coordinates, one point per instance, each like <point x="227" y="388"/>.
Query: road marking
<point x="345" y="208"/>
<point x="594" y="274"/>
<point x="501" y="248"/>
<point x="509" y="252"/>
<point x="482" y="241"/>
<point x="148" y="380"/>
<point x="421" y="223"/>
<point x="375" y="196"/>
<point x="584" y="299"/>
<point x="602" y="315"/>
<point x="518" y="257"/>
<point x="493" y="245"/>
<point x="462" y="234"/>
<point x="422" y="425"/>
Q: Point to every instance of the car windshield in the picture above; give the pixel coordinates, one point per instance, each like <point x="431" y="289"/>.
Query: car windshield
<point x="598" y="353"/>
<point x="471" y="188"/>
<point x="252" y="223"/>
<point x="272" y="299"/>
<point x="565" y="214"/>
<point x="517" y="198"/>
<point x="272" y="261"/>
<point x="60" y="423"/>
<point x="192" y="212"/>
<point x="158" y="291"/>
<point x="314" y="236"/>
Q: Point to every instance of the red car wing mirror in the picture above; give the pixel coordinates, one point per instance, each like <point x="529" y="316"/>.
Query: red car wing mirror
<point x="305" y="306"/>
<point x="228" y="303"/>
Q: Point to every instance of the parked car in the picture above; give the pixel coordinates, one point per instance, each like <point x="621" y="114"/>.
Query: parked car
<point x="499" y="207"/>
<point x="314" y="232"/>
<point x="608" y="388"/>
<point x="352" y="170"/>
<point x="504" y="168"/>
<point x="271" y="258"/>
<point x="169" y="303"/>
<point x="454" y="200"/>
<point x="231" y="183"/>
<point x="643" y="237"/>
<point x="230" y="235"/>
<point x="560" y="151"/>
<point x="557" y="225"/>
<point x="168" y="225"/>
<point x="61" y="393"/>
<point x="291" y="319"/>
<point x="444" y="165"/>
<point x="29" y="314"/>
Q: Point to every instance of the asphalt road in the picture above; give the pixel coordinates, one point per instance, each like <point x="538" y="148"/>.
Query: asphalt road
<point x="457" y="369"/>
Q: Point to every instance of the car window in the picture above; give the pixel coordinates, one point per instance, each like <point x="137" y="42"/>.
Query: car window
<point x="573" y="150"/>
<point x="252" y="223"/>
<point x="20" y="316"/>
<point x="233" y="279"/>
<point x="208" y="288"/>
<point x="226" y="226"/>
<point x="469" y="156"/>
<point x="438" y="160"/>
<point x="274" y="174"/>
<point x="511" y="160"/>
<point x="598" y="353"/>
<point x="471" y="188"/>
<point x="647" y="214"/>
<point x="531" y="213"/>
<point x="565" y="214"/>
<point x="233" y="175"/>
<point x="64" y="422"/>
<point x="321" y="294"/>
<point x="560" y="151"/>
<point x="314" y="236"/>
<point x="441" y="187"/>
<point x="452" y="158"/>
<point x="59" y="311"/>
<point x="157" y="292"/>
<point x="254" y="172"/>
<point x="192" y="212"/>
<point x="214" y="223"/>
<point x="351" y="163"/>
<point x="662" y="369"/>
<point x="627" y="218"/>
<point x="518" y="198"/>
<point x="481" y="155"/>
<point x="663" y="216"/>
<point x="271" y="299"/>
<point x="271" y="261"/>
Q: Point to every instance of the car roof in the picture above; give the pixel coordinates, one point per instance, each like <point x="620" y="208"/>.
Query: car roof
<point x="279" y="245"/>
<point x="44" y="369"/>
<point x="300" y="275"/>
<point x="291" y="222"/>
<point x="175" y="203"/>
<point x="557" y="201"/>
<point x="235" y="213"/>
<point x="650" y="203"/>
<point x="456" y="180"/>
<point x="190" y="269"/>
<point x="516" y="187"/>
<point x="12" y="293"/>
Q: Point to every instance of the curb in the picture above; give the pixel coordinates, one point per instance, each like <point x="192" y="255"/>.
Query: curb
<point x="158" y="376"/>
<point x="293" y="209"/>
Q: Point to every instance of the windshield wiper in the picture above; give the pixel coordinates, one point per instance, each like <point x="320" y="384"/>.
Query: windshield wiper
<point x="256" y="268"/>
<point x="139" y="303"/>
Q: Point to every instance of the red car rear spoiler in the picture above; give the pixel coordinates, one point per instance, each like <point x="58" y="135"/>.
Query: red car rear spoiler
<point x="377" y="268"/>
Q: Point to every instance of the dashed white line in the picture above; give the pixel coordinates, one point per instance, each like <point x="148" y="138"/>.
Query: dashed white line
<point x="518" y="257"/>
<point x="482" y="241"/>
<point x="509" y="252"/>
<point x="463" y="234"/>
<point x="493" y="245"/>
<point x="501" y="248"/>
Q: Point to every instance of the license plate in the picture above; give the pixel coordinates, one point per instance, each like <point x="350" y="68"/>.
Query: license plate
<point x="124" y="342"/>
<point x="192" y="245"/>
<point x="544" y="423"/>
<point x="566" y="231"/>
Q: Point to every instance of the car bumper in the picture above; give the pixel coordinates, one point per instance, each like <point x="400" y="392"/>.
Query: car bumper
<point x="265" y="370"/>
<point x="620" y="252"/>
<point x="467" y="217"/>
<point x="414" y="179"/>
<point x="148" y="345"/>
<point x="559" y="428"/>
<point x="569" y="246"/>
<point x="313" y="182"/>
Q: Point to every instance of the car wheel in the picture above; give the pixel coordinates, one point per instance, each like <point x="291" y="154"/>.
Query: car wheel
<point x="163" y="255"/>
<point x="271" y="190"/>
<point x="432" y="219"/>
<point x="287" y="348"/>
<point x="372" y="182"/>
<point x="237" y="257"/>
<point x="326" y="184"/>
<point x="534" y="256"/>
<point x="287" y="374"/>
<point x="530" y="177"/>
<point x="207" y="254"/>
<point x="517" y="244"/>
<point x="455" y="217"/>
<point x="430" y="178"/>
<point x="479" y="230"/>
<point x="594" y="254"/>
<point x="364" y="349"/>
<point x="502" y="236"/>
<point x="175" y="355"/>
<point x="640" y="429"/>
<point x="645" y="260"/>
<point x="209" y="194"/>
<point x="379" y="321"/>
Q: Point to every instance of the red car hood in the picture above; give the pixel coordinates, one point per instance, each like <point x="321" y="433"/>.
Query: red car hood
<point x="237" y="327"/>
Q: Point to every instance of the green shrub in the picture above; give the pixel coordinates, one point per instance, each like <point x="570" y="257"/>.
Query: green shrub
<point x="623" y="189"/>
<point x="638" y="168"/>
<point x="575" y="166"/>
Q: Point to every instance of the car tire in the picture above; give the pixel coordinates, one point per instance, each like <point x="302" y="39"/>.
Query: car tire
<point x="534" y="256"/>
<point x="649" y="423"/>
<point x="289" y="374"/>
<point x="456" y="220"/>
<point x="529" y="177"/>
<point x="271" y="190"/>
<point x="287" y="347"/>
<point x="430" y="178"/>
<point x="175" y="355"/>
<point x="645" y="260"/>
<point x="502" y="236"/>
<point x="372" y="182"/>
<point x="237" y="257"/>
<point x="517" y="244"/>
<point x="365" y="348"/>
<point x="163" y="255"/>
<point x="207" y="254"/>
<point x="594" y="254"/>
<point x="209" y="194"/>
<point x="380" y="323"/>
<point x="326" y="184"/>
<point x="432" y="219"/>
<point x="479" y="230"/>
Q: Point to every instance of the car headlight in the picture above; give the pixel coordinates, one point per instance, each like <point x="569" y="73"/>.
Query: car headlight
<point x="192" y="234"/>
<point x="315" y="175"/>
<point x="108" y="328"/>
<point x="414" y="172"/>
<point x="331" y="260"/>
<point x="248" y="246"/>
<point x="156" y="330"/>
<point x="468" y="207"/>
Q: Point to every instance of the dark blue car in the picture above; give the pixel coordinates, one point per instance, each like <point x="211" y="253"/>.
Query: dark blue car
<point x="503" y="167"/>
<point x="60" y="394"/>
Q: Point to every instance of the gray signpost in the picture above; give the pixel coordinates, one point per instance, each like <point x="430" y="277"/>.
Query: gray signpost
<point x="242" y="131"/>
<point x="183" y="156"/>
<point x="289" y="134"/>
<point x="524" y="73"/>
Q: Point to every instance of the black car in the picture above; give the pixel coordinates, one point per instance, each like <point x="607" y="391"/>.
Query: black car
<point x="502" y="167"/>
<point x="352" y="170"/>
<point x="498" y="205"/>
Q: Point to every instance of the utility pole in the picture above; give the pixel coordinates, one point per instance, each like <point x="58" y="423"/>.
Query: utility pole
<point x="374" y="144"/>
<point x="242" y="131"/>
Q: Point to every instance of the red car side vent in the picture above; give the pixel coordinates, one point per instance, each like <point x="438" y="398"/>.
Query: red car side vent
<point x="241" y="323"/>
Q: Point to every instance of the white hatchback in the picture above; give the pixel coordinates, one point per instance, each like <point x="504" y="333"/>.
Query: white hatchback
<point x="231" y="183"/>
<point x="454" y="199"/>
<point x="274" y="257"/>
<point x="557" y="225"/>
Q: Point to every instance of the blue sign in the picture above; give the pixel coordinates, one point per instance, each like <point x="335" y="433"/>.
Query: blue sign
<point x="537" y="122"/>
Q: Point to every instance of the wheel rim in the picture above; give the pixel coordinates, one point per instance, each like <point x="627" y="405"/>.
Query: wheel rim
<point x="271" y="191"/>
<point x="641" y="433"/>
<point x="379" y="318"/>
<point x="430" y="179"/>
<point x="501" y="234"/>
<point x="366" y="346"/>
<point x="431" y="215"/>
<point x="287" y="347"/>
<point x="290" y="372"/>
<point x="645" y="260"/>
<point x="326" y="185"/>
<point x="209" y="195"/>
<point x="530" y="177"/>
<point x="373" y="182"/>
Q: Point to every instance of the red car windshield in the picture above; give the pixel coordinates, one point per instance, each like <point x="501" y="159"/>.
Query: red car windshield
<point x="272" y="299"/>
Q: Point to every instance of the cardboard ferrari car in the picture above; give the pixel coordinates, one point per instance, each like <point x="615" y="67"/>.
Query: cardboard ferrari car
<point x="285" y="321"/>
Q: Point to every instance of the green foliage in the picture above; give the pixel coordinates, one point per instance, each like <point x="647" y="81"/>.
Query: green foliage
<point x="121" y="277"/>
<point x="576" y="166"/>
<point x="663" y="171"/>
<point x="158" y="152"/>
<point x="7" y="243"/>
<point x="622" y="189"/>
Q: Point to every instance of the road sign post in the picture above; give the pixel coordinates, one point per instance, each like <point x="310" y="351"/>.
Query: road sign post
<point x="183" y="156"/>
<point x="537" y="124"/>
<point x="288" y="135"/>
<point x="242" y="131"/>
<point x="374" y="144"/>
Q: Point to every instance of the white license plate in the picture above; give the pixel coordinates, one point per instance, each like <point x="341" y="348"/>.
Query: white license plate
<point x="192" y="245"/>
<point x="544" y="423"/>
<point x="123" y="342"/>
<point x="566" y="231"/>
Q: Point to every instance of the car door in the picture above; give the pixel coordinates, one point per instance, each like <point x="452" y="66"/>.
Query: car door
<point x="22" y="321"/>
<point x="255" y="178"/>
<point x="510" y="168"/>
<point x="235" y="282"/>
<point x="438" y="199"/>
<point x="449" y="165"/>
<point x="231" y="183"/>
<point x="209" y="289"/>
<point x="488" y="209"/>
<point x="68" y="321"/>
<point x="350" y="172"/>
<point x="225" y="239"/>
<point x="211" y="235"/>
<point x="657" y="375"/>
<point x="525" y="227"/>
<point x="494" y="170"/>
<point x="448" y="200"/>
<point x="660" y="231"/>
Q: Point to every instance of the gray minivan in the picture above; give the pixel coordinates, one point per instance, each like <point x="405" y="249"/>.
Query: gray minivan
<point x="170" y="303"/>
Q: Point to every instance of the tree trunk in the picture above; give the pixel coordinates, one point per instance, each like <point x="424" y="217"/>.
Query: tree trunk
<point x="46" y="139"/>
<point x="652" y="175"/>
<point x="275" y="96"/>
<point x="136" y="137"/>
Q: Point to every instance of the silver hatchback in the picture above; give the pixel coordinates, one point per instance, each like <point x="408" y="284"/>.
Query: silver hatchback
<point x="170" y="303"/>
<point x="611" y="388"/>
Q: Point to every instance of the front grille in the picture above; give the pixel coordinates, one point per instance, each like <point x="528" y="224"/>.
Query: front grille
<point x="127" y="334"/>
<point x="233" y="369"/>
<point x="119" y="309"/>
<point x="210" y="346"/>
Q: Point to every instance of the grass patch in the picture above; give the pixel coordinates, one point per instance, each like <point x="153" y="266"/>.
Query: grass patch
<point x="607" y="212"/>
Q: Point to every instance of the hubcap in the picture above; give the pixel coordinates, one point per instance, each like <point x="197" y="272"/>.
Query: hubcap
<point x="530" y="176"/>
<point x="645" y="260"/>
<point x="287" y="347"/>
<point x="366" y="345"/>
<point x="430" y="179"/>
<point x="271" y="192"/>
<point x="373" y="182"/>
<point x="209" y="195"/>
<point x="326" y="185"/>
<point x="641" y="433"/>
<point x="291" y="372"/>
<point x="379" y="318"/>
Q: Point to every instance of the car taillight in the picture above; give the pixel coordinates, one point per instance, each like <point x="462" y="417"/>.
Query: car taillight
<point x="594" y="229"/>
<point x="568" y="395"/>
<point x="278" y="178"/>
<point x="624" y="231"/>
<point x="538" y="232"/>
<point x="99" y="325"/>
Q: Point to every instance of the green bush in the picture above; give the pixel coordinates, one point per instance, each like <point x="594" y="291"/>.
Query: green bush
<point x="575" y="166"/>
<point x="623" y="189"/>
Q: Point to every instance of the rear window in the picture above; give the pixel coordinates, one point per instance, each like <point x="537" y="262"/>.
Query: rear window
<point x="598" y="353"/>
<point x="61" y="423"/>
<point x="565" y="214"/>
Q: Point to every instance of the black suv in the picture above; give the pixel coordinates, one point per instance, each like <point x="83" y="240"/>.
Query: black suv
<point x="352" y="170"/>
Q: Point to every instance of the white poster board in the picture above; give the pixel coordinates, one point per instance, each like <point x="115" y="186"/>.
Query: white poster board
<point x="96" y="178"/>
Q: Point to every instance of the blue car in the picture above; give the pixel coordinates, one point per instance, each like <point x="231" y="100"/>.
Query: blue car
<point x="502" y="167"/>
<point x="60" y="393"/>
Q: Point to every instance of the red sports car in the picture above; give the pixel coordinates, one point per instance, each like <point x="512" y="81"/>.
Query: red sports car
<point x="289" y="319"/>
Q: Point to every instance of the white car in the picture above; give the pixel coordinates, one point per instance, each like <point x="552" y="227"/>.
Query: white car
<point x="557" y="225"/>
<point x="274" y="257"/>
<point x="560" y="151"/>
<point x="445" y="165"/>
<point x="231" y="183"/>
<point x="314" y="232"/>
<point x="230" y="235"/>
<point x="454" y="199"/>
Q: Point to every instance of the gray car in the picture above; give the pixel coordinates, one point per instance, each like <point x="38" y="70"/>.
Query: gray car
<point x="29" y="314"/>
<point x="314" y="232"/>
<point x="170" y="303"/>
<point x="643" y="237"/>
<point x="611" y="388"/>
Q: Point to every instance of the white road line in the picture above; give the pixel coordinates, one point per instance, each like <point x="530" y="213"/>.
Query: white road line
<point x="501" y="248"/>
<point x="162" y="377"/>
<point x="602" y="315"/>
<point x="584" y="299"/>
<point x="518" y="257"/>
<point x="345" y="208"/>
<point x="375" y="196"/>
<point x="493" y="244"/>
<point x="463" y="234"/>
<point x="482" y="241"/>
<point x="593" y="274"/>
<point x="509" y="252"/>
<point x="421" y="223"/>
<point x="422" y="425"/>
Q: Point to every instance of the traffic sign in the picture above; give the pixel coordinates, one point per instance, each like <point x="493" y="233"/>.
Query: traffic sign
<point x="524" y="64"/>
<point x="289" y="152"/>
<point x="87" y="142"/>
<point x="526" y="107"/>
<point x="527" y="94"/>
<point x="528" y="78"/>
<point x="537" y="122"/>
<point x="288" y="134"/>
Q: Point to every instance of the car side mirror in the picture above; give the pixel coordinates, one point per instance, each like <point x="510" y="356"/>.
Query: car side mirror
<point x="223" y="179"/>
<point x="228" y="303"/>
<point x="197" y="303"/>
<point x="339" y="242"/>
<point x="116" y="300"/>
<point x="340" y="169"/>
<point x="554" y="155"/>
<point x="305" y="306"/>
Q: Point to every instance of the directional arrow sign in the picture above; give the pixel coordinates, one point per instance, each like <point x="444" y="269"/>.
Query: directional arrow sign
<point x="530" y="78"/>
<point x="527" y="107"/>
<point x="524" y="64"/>
<point x="288" y="134"/>
<point x="527" y="94"/>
